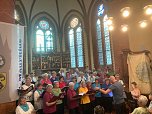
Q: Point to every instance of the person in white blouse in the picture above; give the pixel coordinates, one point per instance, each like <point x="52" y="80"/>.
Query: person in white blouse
<point x="76" y="73"/>
<point x="81" y="78"/>
<point x="38" y="101"/>
<point x="92" y="77"/>
<point x="24" y="107"/>
<point x="29" y="95"/>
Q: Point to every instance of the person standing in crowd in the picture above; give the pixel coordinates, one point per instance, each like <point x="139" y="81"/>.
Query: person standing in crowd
<point x="38" y="81"/>
<point x="49" y="107"/>
<point x="107" y="98"/>
<point x="92" y="77"/>
<point x="24" y="78"/>
<point x="85" y="100"/>
<point x="101" y="77"/>
<point x="71" y="72"/>
<point x="81" y="78"/>
<point x="76" y="73"/>
<point x="87" y="75"/>
<point x="56" y="91"/>
<point x="29" y="95"/>
<point x="38" y="101"/>
<point x="33" y="77"/>
<point x="68" y="77"/>
<point x="62" y="73"/>
<point x="117" y="76"/>
<point x="96" y="86"/>
<point x="118" y="97"/>
<point x="54" y="77"/>
<point x="45" y="79"/>
<point x="71" y="101"/>
<point x="142" y="109"/>
<point x="24" y="107"/>
<point x="95" y="74"/>
<point x="76" y="85"/>
<point x="91" y="96"/>
<point x="62" y="83"/>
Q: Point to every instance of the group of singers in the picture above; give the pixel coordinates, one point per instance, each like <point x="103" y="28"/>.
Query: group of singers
<point x="84" y="91"/>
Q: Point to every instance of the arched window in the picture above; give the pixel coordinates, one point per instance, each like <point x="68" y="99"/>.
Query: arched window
<point x="76" y="43"/>
<point x="44" y="36"/>
<point x="103" y="37"/>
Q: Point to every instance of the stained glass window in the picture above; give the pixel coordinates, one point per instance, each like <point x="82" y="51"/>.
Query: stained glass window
<point x="74" y="22"/>
<point x="79" y="47"/>
<point x="99" y="42"/>
<point x="107" y="41"/>
<point x="100" y="10"/>
<point x="72" y="48"/>
<point x="44" y="24"/>
<point x="44" y="37"/>
<point x="39" y="41"/>
<point x="76" y="44"/>
<point x="103" y="38"/>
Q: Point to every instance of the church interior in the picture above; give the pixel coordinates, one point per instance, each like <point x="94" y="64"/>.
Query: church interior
<point x="82" y="40"/>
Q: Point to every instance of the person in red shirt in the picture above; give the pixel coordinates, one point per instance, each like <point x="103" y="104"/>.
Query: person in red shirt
<point x="45" y="79"/>
<point x="72" y="102"/>
<point x="49" y="107"/>
<point x="62" y="83"/>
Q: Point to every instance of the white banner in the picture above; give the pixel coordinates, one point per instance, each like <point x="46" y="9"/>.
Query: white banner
<point x="139" y="72"/>
<point x="11" y="52"/>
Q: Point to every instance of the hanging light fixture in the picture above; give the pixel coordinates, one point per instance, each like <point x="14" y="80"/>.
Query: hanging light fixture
<point x="143" y="23"/>
<point x="111" y="27"/>
<point x="125" y="11"/>
<point x="148" y="9"/>
<point x="110" y="21"/>
<point x="124" y="28"/>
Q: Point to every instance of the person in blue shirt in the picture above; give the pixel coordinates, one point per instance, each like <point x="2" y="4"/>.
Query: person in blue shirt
<point x="96" y="86"/>
<point x="54" y="77"/>
<point x="107" y="98"/>
<point x="76" y="85"/>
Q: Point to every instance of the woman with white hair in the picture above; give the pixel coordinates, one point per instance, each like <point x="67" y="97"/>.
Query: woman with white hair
<point x="45" y="79"/>
<point x="29" y="95"/>
<point x="81" y="78"/>
<point x="71" y="101"/>
<point x="142" y="109"/>
<point x="49" y="106"/>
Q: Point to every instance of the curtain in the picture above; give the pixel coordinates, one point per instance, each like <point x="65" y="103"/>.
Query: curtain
<point x="140" y="72"/>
